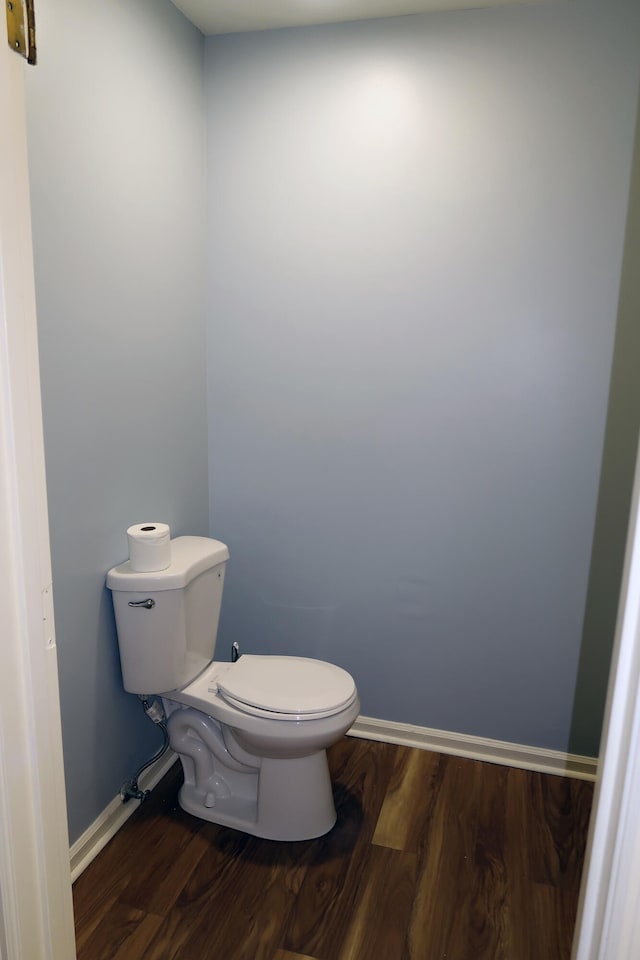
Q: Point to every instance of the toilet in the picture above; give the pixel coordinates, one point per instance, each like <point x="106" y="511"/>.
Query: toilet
<point x="252" y="735"/>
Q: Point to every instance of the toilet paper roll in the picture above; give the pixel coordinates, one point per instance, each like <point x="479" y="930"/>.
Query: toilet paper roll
<point x="149" y="547"/>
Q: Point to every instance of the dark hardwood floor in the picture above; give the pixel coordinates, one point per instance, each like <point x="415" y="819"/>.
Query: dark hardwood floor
<point x="433" y="858"/>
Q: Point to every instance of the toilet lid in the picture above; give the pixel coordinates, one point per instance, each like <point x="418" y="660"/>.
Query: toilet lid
<point x="288" y="685"/>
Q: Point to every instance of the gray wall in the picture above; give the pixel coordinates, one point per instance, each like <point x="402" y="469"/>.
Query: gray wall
<point x="616" y="485"/>
<point x="116" y="137"/>
<point x="416" y="236"/>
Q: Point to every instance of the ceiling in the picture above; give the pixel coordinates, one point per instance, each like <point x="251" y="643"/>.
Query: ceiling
<point x="237" y="16"/>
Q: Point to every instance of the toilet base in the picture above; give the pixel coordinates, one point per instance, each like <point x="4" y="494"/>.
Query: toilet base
<point x="292" y="800"/>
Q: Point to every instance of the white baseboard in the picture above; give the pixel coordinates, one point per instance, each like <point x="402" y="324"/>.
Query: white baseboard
<point x="114" y="815"/>
<point x="92" y="841"/>
<point x="477" y="748"/>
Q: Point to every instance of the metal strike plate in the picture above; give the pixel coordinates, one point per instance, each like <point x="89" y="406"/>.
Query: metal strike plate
<point x="21" y="28"/>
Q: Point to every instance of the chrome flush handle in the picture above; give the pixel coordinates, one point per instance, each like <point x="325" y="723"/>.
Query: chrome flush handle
<point x="143" y="604"/>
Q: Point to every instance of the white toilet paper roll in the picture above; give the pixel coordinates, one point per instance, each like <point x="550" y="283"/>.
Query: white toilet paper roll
<point x="149" y="547"/>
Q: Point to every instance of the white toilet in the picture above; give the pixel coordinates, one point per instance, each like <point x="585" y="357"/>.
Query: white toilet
<point x="252" y="735"/>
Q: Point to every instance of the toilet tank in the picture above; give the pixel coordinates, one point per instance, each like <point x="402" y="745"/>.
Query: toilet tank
<point x="167" y="621"/>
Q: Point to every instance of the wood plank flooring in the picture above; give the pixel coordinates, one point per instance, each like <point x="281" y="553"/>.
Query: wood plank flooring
<point x="433" y="858"/>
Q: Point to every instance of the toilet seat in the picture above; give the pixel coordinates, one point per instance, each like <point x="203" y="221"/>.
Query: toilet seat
<point x="286" y="688"/>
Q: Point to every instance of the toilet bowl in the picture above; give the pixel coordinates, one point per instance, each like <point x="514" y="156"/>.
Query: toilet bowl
<point x="251" y="735"/>
<point x="274" y="762"/>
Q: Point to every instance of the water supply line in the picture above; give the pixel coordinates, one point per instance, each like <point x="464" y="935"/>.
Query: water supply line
<point x="130" y="789"/>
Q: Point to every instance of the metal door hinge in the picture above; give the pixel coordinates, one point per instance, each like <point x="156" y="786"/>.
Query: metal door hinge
<point x="21" y="28"/>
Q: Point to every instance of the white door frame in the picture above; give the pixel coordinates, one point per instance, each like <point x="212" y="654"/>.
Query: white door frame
<point x="608" y="925"/>
<point x="36" y="920"/>
<point x="36" y="914"/>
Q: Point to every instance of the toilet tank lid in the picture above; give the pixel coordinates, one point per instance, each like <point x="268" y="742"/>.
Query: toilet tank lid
<point x="190" y="556"/>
